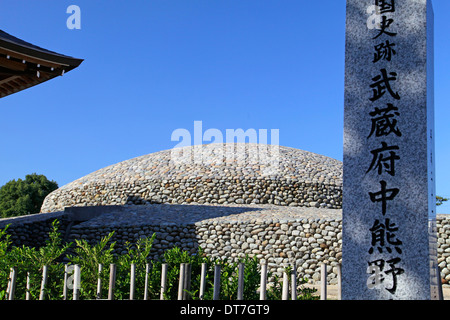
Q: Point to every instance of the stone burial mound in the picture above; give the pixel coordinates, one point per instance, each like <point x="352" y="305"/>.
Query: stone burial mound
<point x="278" y="204"/>
<point x="233" y="173"/>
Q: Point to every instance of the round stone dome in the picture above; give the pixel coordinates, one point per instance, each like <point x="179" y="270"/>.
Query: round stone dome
<point x="241" y="173"/>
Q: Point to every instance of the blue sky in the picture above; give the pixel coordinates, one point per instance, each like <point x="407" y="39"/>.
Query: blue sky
<point x="154" y="66"/>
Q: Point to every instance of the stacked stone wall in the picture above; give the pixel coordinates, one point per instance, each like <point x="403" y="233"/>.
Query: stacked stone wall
<point x="306" y="242"/>
<point x="283" y="192"/>
<point x="230" y="173"/>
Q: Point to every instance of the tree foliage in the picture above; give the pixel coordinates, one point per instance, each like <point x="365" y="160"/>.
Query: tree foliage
<point x="440" y="200"/>
<point x="23" y="197"/>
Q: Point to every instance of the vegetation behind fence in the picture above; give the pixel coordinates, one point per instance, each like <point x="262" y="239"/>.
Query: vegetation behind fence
<point x="47" y="272"/>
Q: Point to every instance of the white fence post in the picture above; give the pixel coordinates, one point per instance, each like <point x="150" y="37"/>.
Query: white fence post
<point x="163" y="280"/>
<point x="76" y="282"/>
<point x="202" y="281"/>
<point x="11" y="284"/>
<point x="28" y="287"/>
<point x="181" y="282"/>
<point x="285" y="292"/>
<point x="112" y="281"/>
<point x="147" y="270"/>
<point x="263" y="283"/>
<point x="240" y="293"/>
<point x="99" y="282"/>
<point x="294" y="283"/>
<point x="216" y="293"/>
<point x="43" y="283"/>
<point x="132" y="280"/>
<point x="187" y="281"/>
<point x="323" y="281"/>
<point x="66" y="276"/>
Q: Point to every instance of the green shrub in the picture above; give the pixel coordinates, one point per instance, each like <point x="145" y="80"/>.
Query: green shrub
<point x="28" y="260"/>
<point x="88" y="258"/>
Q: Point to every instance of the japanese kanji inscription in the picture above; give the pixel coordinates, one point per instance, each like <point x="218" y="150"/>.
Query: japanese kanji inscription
<point x="389" y="250"/>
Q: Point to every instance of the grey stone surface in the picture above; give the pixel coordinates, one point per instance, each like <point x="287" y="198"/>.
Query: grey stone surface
<point x="279" y="235"/>
<point x="86" y="213"/>
<point x="301" y="179"/>
<point x="388" y="143"/>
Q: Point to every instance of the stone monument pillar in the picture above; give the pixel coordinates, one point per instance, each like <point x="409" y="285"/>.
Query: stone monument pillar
<point x="389" y="234"/>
